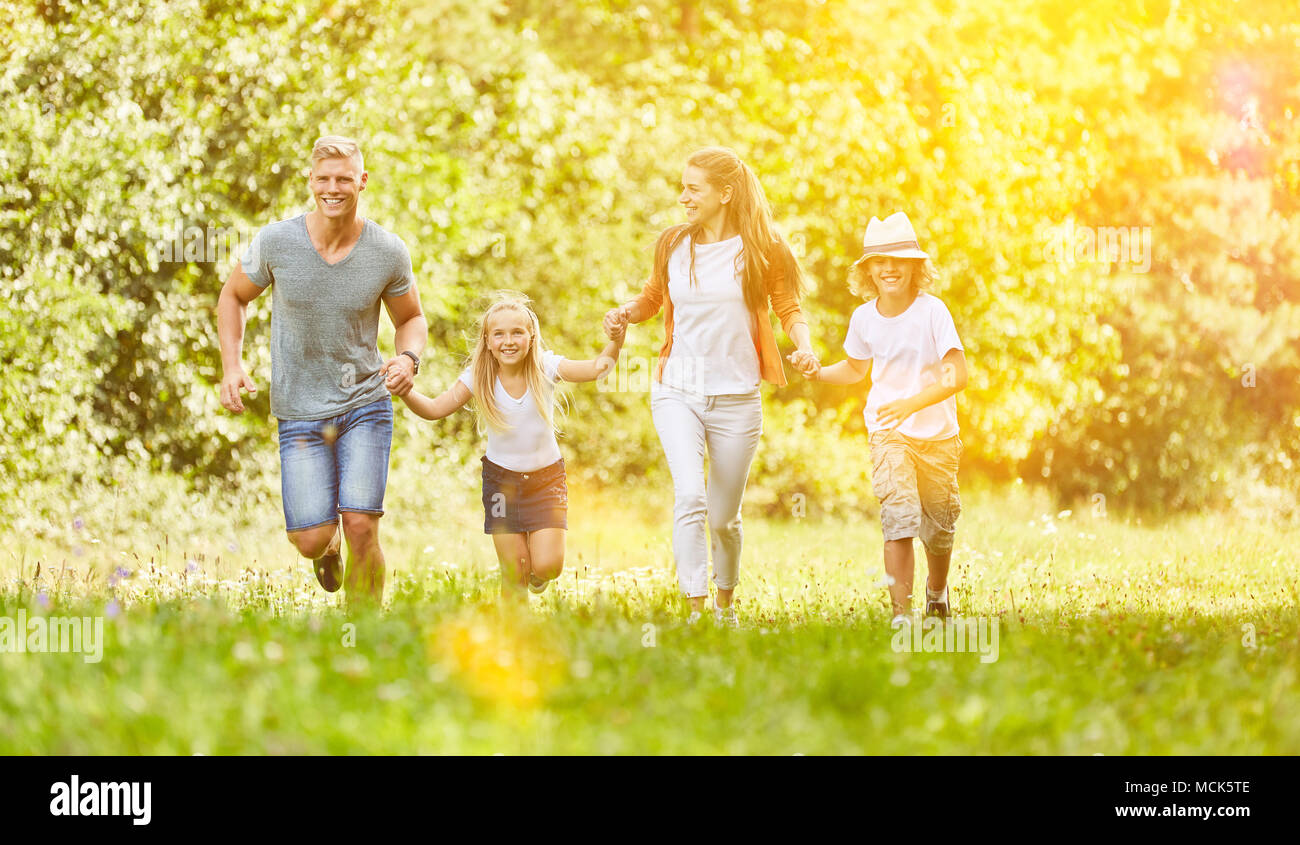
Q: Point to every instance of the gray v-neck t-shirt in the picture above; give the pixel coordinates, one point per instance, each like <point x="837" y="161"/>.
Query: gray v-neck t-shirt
<point x="325" y="317"/>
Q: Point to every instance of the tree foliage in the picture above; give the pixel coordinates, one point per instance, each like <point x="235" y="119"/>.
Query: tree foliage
<point x="537" y="145"/>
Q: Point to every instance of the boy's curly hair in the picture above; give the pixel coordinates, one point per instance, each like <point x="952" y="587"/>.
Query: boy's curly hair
<point x="924" y="277"/>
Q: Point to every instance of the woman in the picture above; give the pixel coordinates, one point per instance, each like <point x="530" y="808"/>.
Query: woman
<point x="715" y="277"/>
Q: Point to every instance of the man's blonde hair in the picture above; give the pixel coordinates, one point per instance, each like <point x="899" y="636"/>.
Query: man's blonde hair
<point x="337" y="146"/>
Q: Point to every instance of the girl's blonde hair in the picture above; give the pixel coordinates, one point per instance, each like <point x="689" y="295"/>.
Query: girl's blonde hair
<point x="924" y="277"/>
<point x="484" y="368"/>
<point x="749" y="210"/>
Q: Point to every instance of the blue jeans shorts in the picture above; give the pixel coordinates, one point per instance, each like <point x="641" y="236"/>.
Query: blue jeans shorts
<point x="336" y="464"/>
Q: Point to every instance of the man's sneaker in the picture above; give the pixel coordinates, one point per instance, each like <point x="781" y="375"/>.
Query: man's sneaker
<point x="693" y="618"/>
<point x="936" y="604"/>
<point x="537" y="585"/>
<point x="329" y="566"/>
<point x="900" y="620"/>
<point x="726" y="616"/>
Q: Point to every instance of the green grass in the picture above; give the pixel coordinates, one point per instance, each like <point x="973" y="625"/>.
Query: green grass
<point x="1115" y="638"/>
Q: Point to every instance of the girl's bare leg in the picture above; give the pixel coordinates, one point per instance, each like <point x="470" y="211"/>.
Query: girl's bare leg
<point x="512" y="553"/>
<point x="546" y="553"/>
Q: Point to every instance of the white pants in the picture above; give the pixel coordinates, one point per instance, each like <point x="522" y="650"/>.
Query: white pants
<point x="727" y="429"/>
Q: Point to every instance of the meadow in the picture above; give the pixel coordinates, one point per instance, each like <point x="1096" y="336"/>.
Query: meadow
<point x="1115" y="637"/>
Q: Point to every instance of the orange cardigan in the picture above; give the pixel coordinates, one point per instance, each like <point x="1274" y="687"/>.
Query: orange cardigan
<point x="781" y="298"/>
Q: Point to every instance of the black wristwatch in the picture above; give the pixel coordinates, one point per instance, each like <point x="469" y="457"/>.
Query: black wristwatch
<point x="415" y="358"/>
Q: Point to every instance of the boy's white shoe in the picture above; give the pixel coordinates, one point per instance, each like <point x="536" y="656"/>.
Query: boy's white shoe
<point x="693" y="618"/>
<point x="900" y="620"/>
<point x="726" y="616"/>
<point x="936" y="603"/>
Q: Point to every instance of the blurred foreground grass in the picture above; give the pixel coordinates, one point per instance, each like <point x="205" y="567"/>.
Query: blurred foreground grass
<point x="1114" y="638"/>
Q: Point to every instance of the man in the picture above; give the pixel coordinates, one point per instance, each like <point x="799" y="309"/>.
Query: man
<point x="329" y="268"/>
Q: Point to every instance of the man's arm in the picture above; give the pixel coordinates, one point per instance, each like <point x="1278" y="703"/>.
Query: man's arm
<point x="232" y="313"/>
<point x="412" y="332"/>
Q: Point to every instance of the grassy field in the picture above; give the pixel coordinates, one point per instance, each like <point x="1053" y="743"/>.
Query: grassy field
<point x="1114" y="638"/>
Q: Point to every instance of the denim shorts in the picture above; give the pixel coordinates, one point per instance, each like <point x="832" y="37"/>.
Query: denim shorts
<point x="520" y="502"/>
<point x="916" y="483"/>
<point x="336" y="464"/>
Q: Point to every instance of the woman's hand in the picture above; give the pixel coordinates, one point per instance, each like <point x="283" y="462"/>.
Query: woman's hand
<point x="616" y="320"/>
<point x="805" y="361"/>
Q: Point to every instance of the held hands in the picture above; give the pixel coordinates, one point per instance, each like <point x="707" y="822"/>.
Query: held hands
<point x="399" y="374"/>
<point x="616" y="320"/>
<point x="805" y="361"/>
<point x="231" y="386"/>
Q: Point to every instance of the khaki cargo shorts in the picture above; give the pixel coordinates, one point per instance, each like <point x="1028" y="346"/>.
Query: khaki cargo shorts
<point x="916" y="483"/>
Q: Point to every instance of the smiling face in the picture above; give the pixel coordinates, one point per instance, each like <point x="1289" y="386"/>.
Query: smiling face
<point x="893" y="276"/>
<point x="704" y="203"/>
<point x="509" y="336"/>
<point x="337" y="183"/>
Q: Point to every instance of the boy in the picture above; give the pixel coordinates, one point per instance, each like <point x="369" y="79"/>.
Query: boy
<point x="906" y="339"/>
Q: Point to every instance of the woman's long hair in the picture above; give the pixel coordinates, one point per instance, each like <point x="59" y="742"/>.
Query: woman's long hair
<point x="484" y="368"/>
<point x="750" y="213"/>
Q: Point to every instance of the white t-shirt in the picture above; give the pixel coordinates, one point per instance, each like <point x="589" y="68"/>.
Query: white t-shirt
<point x="530" y="443"/>
<point x="906" y="354"/>
<point x="713" y="350"/>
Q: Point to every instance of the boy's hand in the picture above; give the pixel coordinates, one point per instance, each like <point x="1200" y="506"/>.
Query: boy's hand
<point x="805" y="362"/>
<point x="892" y="414"/>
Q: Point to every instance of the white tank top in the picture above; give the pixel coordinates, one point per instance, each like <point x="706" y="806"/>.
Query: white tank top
<point x="713" y="350"/>
<point x="530" y="443"/>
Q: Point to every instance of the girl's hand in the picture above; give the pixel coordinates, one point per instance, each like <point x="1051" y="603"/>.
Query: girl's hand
<point x="892" y="414"/>
<point x="618" y="333"/>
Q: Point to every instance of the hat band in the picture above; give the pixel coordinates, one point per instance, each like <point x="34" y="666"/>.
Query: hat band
<point x="894" y="245"/>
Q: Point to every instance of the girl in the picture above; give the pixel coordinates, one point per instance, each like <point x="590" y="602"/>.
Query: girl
<point x="715" y="276"/>
<point x="512" y="376"/>
<point x="906" y="339"/>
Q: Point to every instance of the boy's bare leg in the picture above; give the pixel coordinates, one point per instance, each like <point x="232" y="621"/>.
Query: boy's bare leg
<point x="937" y="569"/>
<point x="900" y="562"/>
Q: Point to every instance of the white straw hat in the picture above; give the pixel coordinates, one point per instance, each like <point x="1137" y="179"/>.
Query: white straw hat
<point x="894" y="236"/>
